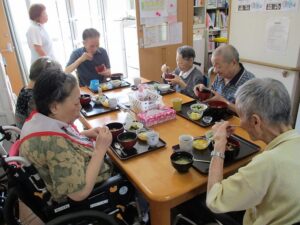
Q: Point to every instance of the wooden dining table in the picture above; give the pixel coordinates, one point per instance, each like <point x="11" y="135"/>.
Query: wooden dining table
<point x="152" y="173"/>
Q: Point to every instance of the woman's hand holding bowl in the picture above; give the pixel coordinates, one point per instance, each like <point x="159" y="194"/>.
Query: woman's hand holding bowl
<point x="103" y="140"/>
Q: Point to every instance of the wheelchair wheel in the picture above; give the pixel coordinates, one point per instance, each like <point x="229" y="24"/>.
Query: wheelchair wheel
<point x="11" y="208"/>
<point x="90" y="217"/>
<point x="12" y="213"/>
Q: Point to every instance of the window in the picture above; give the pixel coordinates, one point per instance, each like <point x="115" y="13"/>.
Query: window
<point x="68" y="19"/>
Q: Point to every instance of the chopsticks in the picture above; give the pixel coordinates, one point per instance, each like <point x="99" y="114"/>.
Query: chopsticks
<point x="200" y="160"/>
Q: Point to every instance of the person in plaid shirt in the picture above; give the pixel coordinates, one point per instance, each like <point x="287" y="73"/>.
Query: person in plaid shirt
<point x="230" y="74"/>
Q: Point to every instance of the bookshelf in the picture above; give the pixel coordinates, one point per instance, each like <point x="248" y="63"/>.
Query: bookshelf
<point x="210" y="22"/>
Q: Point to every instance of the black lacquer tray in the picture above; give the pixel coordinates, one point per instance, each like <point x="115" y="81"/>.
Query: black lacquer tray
<point x="123" y="85"/>
<point x="170" y="91"/>
<point x="246" y="148"/>
<point x="141" y="147"/>
<point x="94" y="109"/>
<point x="223" y="115"/>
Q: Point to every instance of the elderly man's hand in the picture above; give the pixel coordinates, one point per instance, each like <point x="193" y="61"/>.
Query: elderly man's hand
<point x="221" y="132"/>
<point x="216" y="97"/>
<point x="198" y="88"/>
<point x="86" y="56"/>
<point x="106" y="72"/>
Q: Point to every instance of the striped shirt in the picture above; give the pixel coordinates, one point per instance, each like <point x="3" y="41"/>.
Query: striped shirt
<point x="228" y="90"/>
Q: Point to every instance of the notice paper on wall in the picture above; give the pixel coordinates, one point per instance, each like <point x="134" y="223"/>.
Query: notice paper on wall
<point x="267" y="5"/>
<point x="163" y="34"/>
<point x="277" y="33"/>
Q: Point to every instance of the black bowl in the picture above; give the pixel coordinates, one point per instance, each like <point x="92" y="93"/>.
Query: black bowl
<point x="127" y="140"/>
<point x="232" y="148"/>
<point x="116" y="76"/>
<point x="115" y="128"/>
<point x="182" y="161"/>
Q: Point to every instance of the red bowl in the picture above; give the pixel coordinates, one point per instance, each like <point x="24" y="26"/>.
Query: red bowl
<point x="205" y="94"/>
<point x="127" y="140"/>
<point x="115" y="128"/>
<point x="169" y="76"/>
<point x="85" y="99"/>
<point x="100" y="68"/>
<point x="217" y="105"/>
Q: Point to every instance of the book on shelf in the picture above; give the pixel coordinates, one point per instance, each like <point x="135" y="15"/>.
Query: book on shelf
<point x="222" y="3"/>
<point x="211" y="4"/>
<point x="223" y="19"/>
<point x="210" y="19"/>
<point x="198" y="3"/>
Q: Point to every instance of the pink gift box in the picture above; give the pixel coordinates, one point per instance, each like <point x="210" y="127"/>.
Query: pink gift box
<point x="156" y="116"/>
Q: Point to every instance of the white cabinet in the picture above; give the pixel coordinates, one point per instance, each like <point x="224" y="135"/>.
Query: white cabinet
<point x="7" y="98"/>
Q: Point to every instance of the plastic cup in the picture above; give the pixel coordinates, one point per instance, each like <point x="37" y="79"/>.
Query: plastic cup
<point x="186" y="142"/>
<point x="152" y="138"/>
<point x="177" y="103"/>
<point x="94" y="84"/>
<point x="113" y="103"/>
<point x="136" y="81"/>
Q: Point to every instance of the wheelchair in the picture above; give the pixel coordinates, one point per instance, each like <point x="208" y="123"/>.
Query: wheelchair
<point x="112" y="202"/>
<point x="8" y="136"/>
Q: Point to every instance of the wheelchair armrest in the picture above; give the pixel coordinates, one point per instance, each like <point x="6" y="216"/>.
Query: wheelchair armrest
<point x="110" y="182"/>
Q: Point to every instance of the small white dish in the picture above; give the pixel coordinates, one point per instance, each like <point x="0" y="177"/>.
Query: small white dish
<point x="116" y="83"/>
<point x="163" y="87"/>
<point x="135" y="126"/>
<point x="198" y="107"/>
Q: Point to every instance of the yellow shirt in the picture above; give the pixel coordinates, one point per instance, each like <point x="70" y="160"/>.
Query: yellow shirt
<point x="268" y="188"/>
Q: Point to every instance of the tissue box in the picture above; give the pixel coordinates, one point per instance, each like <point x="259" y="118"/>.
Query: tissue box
<point x="156" y="116"/>
<point x="144" y="99"/>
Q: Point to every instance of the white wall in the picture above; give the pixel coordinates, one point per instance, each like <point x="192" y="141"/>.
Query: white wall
<point x="291" y="81"/>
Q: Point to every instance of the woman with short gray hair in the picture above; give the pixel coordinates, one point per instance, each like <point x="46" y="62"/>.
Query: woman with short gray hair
<point x="268" y="187"/>
<point x="186" y="75"/>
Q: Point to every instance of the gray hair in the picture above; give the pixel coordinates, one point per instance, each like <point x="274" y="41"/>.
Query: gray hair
<point x="186" y="52"/>
<point x="267" y="98"/>
<point x="228" y="53"/>
<point x="90" y="33"/>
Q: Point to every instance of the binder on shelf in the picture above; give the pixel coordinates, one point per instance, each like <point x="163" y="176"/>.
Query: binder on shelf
<point x="199" y="3"/>
<point x="212" y="4"/>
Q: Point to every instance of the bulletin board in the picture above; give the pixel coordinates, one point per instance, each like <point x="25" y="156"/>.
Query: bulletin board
<point x="266" y="31"/>
<point x="159" y="21"/>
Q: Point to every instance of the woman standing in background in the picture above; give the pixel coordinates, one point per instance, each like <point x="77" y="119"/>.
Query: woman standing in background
<point x="38" y="39"/>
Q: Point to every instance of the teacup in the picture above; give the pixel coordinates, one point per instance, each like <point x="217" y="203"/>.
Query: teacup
<point x="113" y="103"/>
<point x="137" y="81"/>
<point x="186" y="142"/>
<point x="152" y="138"/>
<point x="177" y="103"/>
<point x="94" y="85"/>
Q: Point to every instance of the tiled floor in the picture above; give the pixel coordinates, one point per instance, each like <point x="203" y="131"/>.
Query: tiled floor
<point x="28" y="217"/>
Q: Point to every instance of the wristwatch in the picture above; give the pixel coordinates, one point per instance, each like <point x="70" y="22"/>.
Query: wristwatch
<point x="219" y="154"/>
